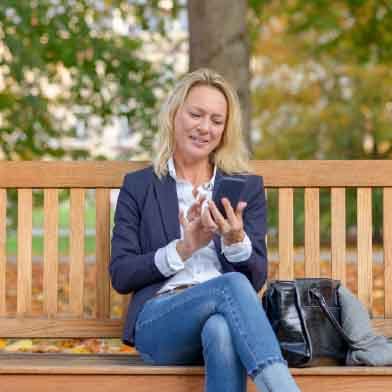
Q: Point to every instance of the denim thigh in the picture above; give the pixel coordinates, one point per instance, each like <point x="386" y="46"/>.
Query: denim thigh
<point x="169" y="327"/>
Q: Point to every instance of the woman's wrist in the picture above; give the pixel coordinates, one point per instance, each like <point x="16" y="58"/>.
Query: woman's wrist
<point x="183" y="250"/>
<point x="234" y="238"/>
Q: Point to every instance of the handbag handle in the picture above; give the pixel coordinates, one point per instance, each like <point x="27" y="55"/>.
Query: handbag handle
<point x="331" y="318"/>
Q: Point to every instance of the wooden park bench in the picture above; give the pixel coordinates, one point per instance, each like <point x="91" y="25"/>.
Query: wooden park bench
<point x="104" y="372"/>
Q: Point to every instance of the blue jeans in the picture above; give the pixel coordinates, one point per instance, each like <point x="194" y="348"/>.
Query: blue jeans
<point x="219" y="323"/>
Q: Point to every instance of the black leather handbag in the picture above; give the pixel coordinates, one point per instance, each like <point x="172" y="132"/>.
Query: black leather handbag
<point x="305" y="315"/>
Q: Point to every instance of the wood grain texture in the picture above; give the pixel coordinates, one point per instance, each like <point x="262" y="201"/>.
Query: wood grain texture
<point x="51" y="253"/>
<point x="387" y="232"/>
<point x="52" y="373"/>
<point x="364" y="227"/>
<point x="312" y="232"/>
<point x="72" y="328"/>
<point x="276" y="173"/>
<point x="3" y="255"/>
<point x="76" y="246"/>
<point x="338" y="234"/>
<point x="59" y="327"/>
<point x="58" y="363"/>
<point x="24" y="249"/>
<point x="87" y="174"/>
<point x="174" y="383"/>
<point x="112" y="373"/>
<point x="177" y="383"/>
<point x="103" y="252"/>
<point x="286" y="233"/>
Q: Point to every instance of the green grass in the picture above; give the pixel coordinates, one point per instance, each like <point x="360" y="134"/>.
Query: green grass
<point x="38" y="220"/>
<point x="38" y="245"/>
<point x="89" y="216"/>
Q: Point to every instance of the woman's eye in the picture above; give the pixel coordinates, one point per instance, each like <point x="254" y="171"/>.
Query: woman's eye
<point x="196" y="115"/>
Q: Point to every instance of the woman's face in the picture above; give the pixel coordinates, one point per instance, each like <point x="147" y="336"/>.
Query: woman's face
<point x="199" y="123"/>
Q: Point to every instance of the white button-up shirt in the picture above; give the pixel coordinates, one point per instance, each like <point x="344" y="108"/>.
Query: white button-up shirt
<point x="204" y="263"/>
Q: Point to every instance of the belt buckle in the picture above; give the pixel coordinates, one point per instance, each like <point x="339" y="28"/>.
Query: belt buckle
<point x="175" y="289"/>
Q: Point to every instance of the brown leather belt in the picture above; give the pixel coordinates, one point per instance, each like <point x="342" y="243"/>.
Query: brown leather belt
<point x="175" y="289"/>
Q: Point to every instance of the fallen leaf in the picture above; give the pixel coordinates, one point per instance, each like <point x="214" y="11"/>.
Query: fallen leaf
<point x="20" y="345"/>
<point x="3" y="343"/>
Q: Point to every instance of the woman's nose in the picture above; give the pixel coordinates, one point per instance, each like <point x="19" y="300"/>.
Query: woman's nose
<point x="204" y="124"/>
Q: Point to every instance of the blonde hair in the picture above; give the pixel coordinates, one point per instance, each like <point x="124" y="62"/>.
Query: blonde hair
<point x="231" y="156"/>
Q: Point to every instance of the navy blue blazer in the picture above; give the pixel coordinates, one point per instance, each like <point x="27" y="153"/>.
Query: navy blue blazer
<point x="146" y="219"/>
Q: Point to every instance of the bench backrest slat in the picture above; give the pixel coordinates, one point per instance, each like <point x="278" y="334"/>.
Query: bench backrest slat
<point x="280" y="174"/>
<point x="25" y="226"/>
<point x="312" y="232"/>
<point x="364" y="247"/>
<point x="286" y="240"/>
<point x="76" y="248"/>
<point x="3" y="257"/>
<point x="102" y="227"/>
<point x="387" y="232"/>
<point x="51" y="253"/>
<point x="338" y="234"/>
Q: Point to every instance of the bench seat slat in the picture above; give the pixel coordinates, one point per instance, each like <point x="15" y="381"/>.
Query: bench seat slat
<point x="39" y="363"/>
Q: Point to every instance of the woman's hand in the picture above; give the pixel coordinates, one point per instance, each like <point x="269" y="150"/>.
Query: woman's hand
<point x="195" y="209"/>
<point x="196" y="236"/>
<point x="232" y="228"/>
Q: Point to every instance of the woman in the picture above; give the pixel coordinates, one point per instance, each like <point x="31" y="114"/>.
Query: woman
<point x="194" y="273"/>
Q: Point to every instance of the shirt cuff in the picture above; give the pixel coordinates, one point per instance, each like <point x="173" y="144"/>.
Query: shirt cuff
<point x="167" y="259"/>
<point x="239" y="251"/>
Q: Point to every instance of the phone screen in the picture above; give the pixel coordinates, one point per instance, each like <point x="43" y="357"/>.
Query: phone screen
<point x="230" y="188"/>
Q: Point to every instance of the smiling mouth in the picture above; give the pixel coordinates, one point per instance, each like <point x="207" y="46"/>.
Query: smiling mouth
<point x="197" y="140"/>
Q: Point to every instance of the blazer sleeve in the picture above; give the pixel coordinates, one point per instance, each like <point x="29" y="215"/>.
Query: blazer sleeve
<point x="255" y="225"/>
<point x="130" y="269"/>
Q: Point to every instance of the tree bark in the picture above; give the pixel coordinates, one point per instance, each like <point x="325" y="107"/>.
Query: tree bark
<point x="218" y="39"/>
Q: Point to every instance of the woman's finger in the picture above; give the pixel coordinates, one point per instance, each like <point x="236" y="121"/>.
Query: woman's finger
<point x="195" y="209"/>
<point x="240" y="209"/>
<point x="223" y="225"/>
<point x="231" y="215"/>
<point x="181" y="217"/>
<point x="207" y="221"/>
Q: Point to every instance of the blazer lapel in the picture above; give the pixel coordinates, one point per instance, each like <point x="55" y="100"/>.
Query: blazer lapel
<point x="166" y="195"/>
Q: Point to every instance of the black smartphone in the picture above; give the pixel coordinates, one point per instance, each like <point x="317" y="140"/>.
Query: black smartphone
<point x="230" y="188"/>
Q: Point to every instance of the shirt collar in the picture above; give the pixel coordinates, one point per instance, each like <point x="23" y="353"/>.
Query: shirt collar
<point x="172" y="171"/>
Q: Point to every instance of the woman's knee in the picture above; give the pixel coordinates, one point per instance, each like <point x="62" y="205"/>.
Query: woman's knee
<point x="237" y="282"/>
<point x="216" y="334"/>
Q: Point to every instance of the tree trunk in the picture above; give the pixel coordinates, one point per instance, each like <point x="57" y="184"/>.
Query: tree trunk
<point x="218" y="39"/>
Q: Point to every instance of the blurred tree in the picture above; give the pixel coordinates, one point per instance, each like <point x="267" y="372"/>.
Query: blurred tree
<point x="352" y="31"/>
<point x="322" y="79"/>
<point x="322" y="87"/>
<point x="220" y="46"/>
<point x="67" y="66"/>
<point x="218" y="39"/>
